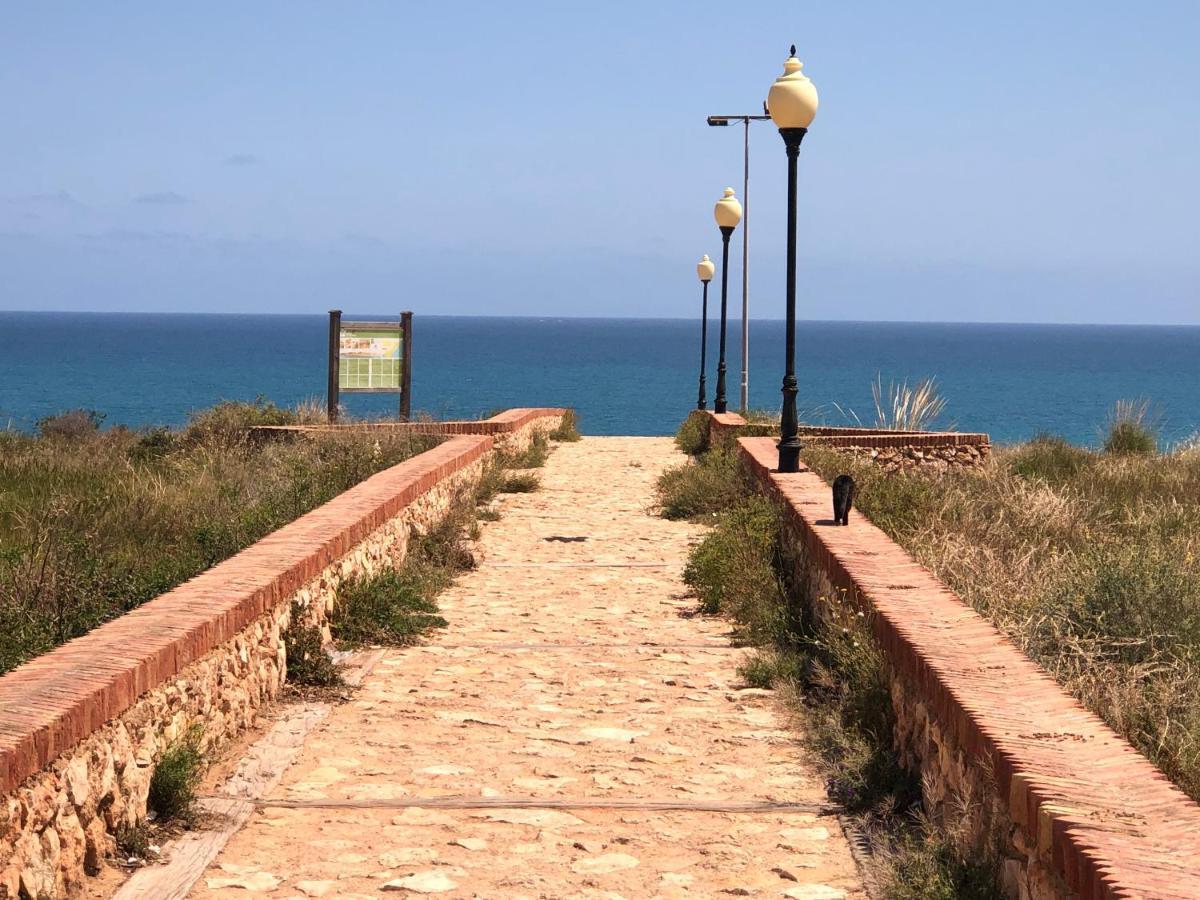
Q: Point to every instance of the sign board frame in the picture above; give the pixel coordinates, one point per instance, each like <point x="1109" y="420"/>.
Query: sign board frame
<point x="401" y="329"/>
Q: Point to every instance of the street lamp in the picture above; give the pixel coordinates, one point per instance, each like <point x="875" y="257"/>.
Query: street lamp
<point x="704" y="269"/>
<point x="727" y="212"/>
<point x="792" y="103"/>
<point x="723" y="121"/>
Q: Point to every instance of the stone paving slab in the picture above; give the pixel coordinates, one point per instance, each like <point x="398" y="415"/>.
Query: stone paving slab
<point x="573" y="675"/>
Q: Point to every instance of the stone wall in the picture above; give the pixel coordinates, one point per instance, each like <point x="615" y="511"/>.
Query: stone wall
<point x="893" y="450"/>
<point x="82" y="727"/>
<point x="1009" y="762"/>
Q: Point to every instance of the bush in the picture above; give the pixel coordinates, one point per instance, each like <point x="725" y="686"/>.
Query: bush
<point x="1049" y="458"/>
<point x="704" y="486"/>
<point x="522" y="483"/>
<point x="1130" y="429"/>
<point x="391" y="608"/>
<point x="229" y="422"/>
<point x="173" y="784"/>
<point x="153" y="445"/>
<point x="308" y="664"/>
<point x="71" y="425"/>
<point x="692" y="436"/>
<point x="568" y="428"/>
<point x="732" y="571"/>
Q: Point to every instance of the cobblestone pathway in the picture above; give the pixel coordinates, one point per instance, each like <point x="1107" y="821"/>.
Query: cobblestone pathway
<point x="572" y="676"/>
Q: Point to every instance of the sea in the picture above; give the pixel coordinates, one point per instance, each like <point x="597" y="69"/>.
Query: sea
<point x="623" y="376"/>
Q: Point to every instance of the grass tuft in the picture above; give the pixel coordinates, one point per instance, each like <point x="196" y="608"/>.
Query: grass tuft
<point x="1130" y="428"/>
<point x="568" y="428"/>
<point x="520" y="483"/>
<point x="905" y="408"/>
<point x="393" y="608"/>
<point x="532" y="457"/>
<point x="175" y="779"/>
<point x="308" y="663"/>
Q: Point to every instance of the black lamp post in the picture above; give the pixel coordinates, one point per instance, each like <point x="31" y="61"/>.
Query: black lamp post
<point x="792" y="103"/>
<point x="704" y="269"/>
<point x="728" y="212"/>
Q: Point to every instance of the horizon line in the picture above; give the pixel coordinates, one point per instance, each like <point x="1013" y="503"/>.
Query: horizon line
<point x="732" y="319"/>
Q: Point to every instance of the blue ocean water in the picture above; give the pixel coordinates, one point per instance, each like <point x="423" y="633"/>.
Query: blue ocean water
<point x="624" y="376"/>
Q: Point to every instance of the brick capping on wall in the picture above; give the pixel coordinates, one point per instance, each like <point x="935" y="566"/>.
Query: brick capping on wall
<point x="51" y="703"/>
<point x="867" y="438"/>
<point x="1104" y="819"/>
<point x="506" y="422"/>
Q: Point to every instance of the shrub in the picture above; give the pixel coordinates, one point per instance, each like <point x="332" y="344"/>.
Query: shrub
<point x="229" y="422"/>
<point x="71" y="425"/>
<point x="153" y="445"/>
<point x="568" y="428"/>
<point x="308" y="663"/>
<point x="1130" y="429"/>
<point x="692" y="436"/>
<point x="732" y="571"/>
<point x="173" y="784"/>
<point x="391" y="608"/>
<point x="701" y="487"/>
<point x="521" y="483"/>
<point x="1049" y="458"/>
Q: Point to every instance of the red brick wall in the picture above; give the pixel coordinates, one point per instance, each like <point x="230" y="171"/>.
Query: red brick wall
<point x="1086" y="815"/>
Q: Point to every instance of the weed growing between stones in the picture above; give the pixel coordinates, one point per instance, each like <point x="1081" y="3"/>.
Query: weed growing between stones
<point x="308" y="663"/>
<point x="568" y="428"/>
<point x="175" y="779"/>
<point x="833" y="675"/>
<point x="520" y="483"/>
<point x="532" y="457"/>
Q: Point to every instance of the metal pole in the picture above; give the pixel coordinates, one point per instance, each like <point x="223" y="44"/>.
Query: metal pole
<point x="720" y="406"/>
<point x="406" y="319"/>
<point x="745" y="393"/>
<point x="703" y="344"/>
<point x="331" y="389"/>
<point x="789" y="438"/>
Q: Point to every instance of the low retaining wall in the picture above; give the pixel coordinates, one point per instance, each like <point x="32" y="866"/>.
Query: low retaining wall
<point x="893" y="450"/>
<point x="82" y="727"/>
<point x="509" y="428"/>
<point x="1076" y="811"/>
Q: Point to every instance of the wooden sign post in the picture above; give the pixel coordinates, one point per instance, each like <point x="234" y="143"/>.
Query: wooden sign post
<point x="369" y="358"/>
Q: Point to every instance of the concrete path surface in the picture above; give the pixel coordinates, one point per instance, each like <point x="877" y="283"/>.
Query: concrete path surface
<point x="574" y="732"/>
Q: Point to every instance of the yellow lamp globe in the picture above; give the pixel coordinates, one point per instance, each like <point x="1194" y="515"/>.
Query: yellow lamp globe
<point x="728" y="212"/>
<point x="792" y="101"/>
<point x="706" y="268"/>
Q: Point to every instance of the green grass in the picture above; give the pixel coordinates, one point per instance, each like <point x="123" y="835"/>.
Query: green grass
<point x="1089" y="561"/>
<point x="393" y="608"/>
<point x="95" y="523"/>
<point x="532" y="457"/>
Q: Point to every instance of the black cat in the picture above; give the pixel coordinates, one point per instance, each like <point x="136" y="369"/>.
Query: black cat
<point x="843" y="499"/>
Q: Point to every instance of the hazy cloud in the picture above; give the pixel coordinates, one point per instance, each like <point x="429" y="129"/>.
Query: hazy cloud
<point x="53" y="199"/>
<point x="161" y="198"/>
<point x="242" y="159"/>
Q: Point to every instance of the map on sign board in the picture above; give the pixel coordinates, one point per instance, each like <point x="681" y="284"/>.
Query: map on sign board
<point x="369" y="358"/>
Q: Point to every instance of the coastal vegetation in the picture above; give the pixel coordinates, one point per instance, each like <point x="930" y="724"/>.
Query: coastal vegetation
<point x="830" y="671"/>
<point x="1088" y="560"/>
<point x="95" y="522"/>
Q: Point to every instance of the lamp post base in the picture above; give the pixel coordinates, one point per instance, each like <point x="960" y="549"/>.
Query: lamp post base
<point x="789" y="455"/>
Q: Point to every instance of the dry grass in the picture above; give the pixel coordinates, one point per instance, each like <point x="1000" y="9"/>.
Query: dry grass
<point x="94" y="523"/>
<point x="1089" y="561"/>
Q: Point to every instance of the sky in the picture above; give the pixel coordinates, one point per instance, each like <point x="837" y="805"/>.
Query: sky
<point x="1016" y="162"/>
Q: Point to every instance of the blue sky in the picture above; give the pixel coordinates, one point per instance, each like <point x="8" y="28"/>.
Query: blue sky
<point x="1024" y="161"/>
